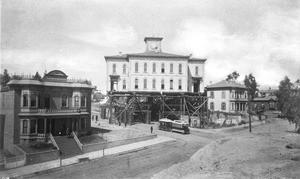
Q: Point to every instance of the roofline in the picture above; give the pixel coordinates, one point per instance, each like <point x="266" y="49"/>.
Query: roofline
<point x="225" y="87"/>
<point x="155" y="38"/>
<point x="43" y="84"/>
<point x="197" y="59"/>
<point x="175" y="56"/>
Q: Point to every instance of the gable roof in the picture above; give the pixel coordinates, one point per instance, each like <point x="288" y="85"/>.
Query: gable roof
<point x="226" y="84"/>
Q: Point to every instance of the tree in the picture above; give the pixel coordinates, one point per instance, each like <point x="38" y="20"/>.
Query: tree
<point x="233" y="76"/>
<point x="251" y="86"/>
<point x="5" y="78"/>
<point x="37" y="76"/>
<point x="288" y="101"/>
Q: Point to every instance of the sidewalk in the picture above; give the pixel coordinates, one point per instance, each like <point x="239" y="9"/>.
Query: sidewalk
<point x="56" y="164"/>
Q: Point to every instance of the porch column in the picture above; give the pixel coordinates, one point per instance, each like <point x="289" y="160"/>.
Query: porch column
<point x="45" y="129"/>
<point x="50" y="126"/>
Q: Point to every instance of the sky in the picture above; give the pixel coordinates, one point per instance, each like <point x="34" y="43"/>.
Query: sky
<point x="261" y="37"/>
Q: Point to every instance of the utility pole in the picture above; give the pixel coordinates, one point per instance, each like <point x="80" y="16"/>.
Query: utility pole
<point x="249" y="110"/>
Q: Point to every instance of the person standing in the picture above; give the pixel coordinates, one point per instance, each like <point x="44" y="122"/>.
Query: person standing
<point x="151" y="129"/>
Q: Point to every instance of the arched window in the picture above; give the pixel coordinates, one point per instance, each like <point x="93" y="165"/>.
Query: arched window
<point x="33" y="126"/>
<point x="64" y="101"/>
<point x="124" y="68"/>
<point x="136" y="67"/>
<point x="212" y="95"/>
<point x="136" y="84"/>
<point x="223" y="106"/>
<point x="223" y="94"/>
<point x="196" y="70"/>
<point x="154" y="68"/>
<point x="82" y="101"/>
<point x="153" y="83"/>
<point x="114" y="68"/>
<point x="145" y="83"/>
<point x="171" y="68"/>
<point x="24" y="126"/>
<point x="25" y="100"/>
<point x="124" y="84"/>
<point x="76" y="98"/>
<point x="212" y="106"/>
<point x="179" y="84"/>
<point x="33" y="100"/>
<point x="171" y="84"/>
<point x="162" y="68"/>
<point x="162" y="84"/>
<point x="180" y="69"/>
<point x="145" y="67"/>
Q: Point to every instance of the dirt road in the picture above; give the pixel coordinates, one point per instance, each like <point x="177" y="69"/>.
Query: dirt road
<point x="143" y="163"/>
<point x="260" y="154"/>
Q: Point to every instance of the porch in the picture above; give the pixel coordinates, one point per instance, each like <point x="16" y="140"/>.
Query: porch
<point x="38" y="128"/>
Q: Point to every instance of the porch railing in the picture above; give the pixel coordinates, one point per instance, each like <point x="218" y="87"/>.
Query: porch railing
<point x="53" y="141"/>
<point x="47" y="111"/>
<point x="77" y="140"/>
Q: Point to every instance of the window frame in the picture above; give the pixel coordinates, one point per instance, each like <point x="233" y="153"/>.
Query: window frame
<point x="114" y="68"/>
<point x="82" y="99"/>
<point x="163" y="68"/>
<point x="145" y="83"/>
<point x="180" y="84"/>
<point x="171" y="84"/>
<point x="136" y="67"/>
<point x="124" y="69"/>
<point x="162" y="85"/>
<point x="153" y="83"/>
<point x="66" y="100"/>
<point x="136" y="83"/>
<point x="154" y="68"/>
<point x="145" y="67"/>
<point x="212" y="95"/>
<point x="25" y="102"/>
<point x="124" y="84"/>
<point x="171" y="68"/>
<point x="212" y="106"/>
<point x="180" y="68"/>
<point x="223" y="106"/>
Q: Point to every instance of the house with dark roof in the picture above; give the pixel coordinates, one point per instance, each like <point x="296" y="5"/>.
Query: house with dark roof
<point x="227" y="96"/>
<point x="37" y="108"/>
<point x="154" y="71"/>
<point x="269" y="102"/>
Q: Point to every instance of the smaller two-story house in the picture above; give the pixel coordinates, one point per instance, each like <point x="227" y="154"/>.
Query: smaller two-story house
<point x="35" y="108"/>
<point x="227" y="96"/>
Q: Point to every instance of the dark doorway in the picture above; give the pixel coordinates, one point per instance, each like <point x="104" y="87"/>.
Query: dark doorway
<point x="47" y="101"/>
<point x="196" y="86"/>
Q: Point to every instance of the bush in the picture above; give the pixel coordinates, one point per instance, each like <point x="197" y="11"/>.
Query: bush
<point x="242" y="122"/>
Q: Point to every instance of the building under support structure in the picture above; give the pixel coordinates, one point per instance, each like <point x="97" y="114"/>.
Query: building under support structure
<point x="146" y="107"/>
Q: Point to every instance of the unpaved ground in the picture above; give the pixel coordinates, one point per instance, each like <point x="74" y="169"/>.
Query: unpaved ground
<point x="260" y="154"/>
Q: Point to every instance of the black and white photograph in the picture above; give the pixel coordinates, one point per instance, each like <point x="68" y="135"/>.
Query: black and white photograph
<point x="150" y="89"/>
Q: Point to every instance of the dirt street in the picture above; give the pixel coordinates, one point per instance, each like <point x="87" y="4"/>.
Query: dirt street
<point x="260" y="154"/>
<point x="142" y="163"/>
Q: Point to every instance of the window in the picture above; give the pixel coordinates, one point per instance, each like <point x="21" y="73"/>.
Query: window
<point x="272" y="105"/>
<point x="171" y="68"/>
<point x="154" y="68"/>
<point x="196" y="71"/>
<point x="33" y="100"/>
<point x="114" y="68"/>
<point x="223" y="106"/>
<point x="179" y="84"/>
<point x="82" y="101"/>
<point x="136" y="84"/>
<point x="153" y="83"/>
<point x="124" y="84"/>
<point x="32" y="126"/>
<point x="171" y="84"/>
<point x="212" y="95"/>
<point x="145" y="67"/>
<point x="212" y="107"/>
<point x="76" y="101"/>
<point x="145" y="83"/>
<point x="124" y="69"/>
<point x="223" y="94"/>
<point x="180" y="69"/>
<point x="232" y="106"/>
<point x="25" y="100"/>
<point x="162" y="84"/>
<point x="64" y="101"/>
<point x="136" y="67"/>
<point x="162" y="68"/>
<point x="25" y="127"/>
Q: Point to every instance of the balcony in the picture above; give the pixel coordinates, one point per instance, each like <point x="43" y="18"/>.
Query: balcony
<point x="30" y="111"/>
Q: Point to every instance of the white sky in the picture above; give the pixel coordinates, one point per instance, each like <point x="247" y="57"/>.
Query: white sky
<point x="258" y="36"/>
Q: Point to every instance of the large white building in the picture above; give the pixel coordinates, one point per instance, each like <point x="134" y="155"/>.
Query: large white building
<point x="154" y="70"/>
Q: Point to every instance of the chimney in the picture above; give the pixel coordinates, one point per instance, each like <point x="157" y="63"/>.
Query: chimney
<point x="120" y="53"/>
<point x="191" y="55"/>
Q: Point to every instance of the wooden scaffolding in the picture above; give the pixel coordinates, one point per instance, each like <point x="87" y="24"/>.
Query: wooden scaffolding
<point x="145" y="107"/>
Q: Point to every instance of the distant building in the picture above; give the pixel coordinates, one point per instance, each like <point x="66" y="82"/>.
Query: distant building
<point x="227" y="96"/>
<point x="36" y="108"/>
<point x="154" y="71"/>
<point x="267" y="98"/>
